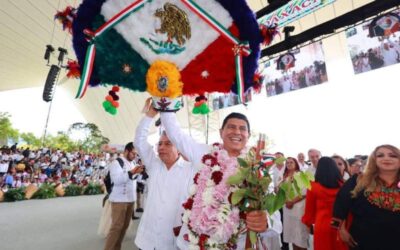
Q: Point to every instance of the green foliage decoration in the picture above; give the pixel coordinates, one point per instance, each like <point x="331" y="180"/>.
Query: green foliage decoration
<point x="92" y="189"/>
<point x="45" y="191"/>
<point x="14" y="194"/>
<point x="73" y="190"/>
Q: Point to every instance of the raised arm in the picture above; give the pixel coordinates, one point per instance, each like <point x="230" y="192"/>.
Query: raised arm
<point x="185" y="144"/>
<point x="143" y="147"/>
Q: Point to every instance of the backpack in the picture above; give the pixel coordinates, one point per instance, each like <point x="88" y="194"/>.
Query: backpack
<point x="107" y="180"/>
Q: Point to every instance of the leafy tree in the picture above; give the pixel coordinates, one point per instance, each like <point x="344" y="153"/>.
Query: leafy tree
<point x="91" y="138"/>
<point x="6" y="129"/>
<point x="63" y="142"/>
<point x="31" y="139"/>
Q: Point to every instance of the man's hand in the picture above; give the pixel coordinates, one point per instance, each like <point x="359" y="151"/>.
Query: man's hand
<point x="256" y="221"/>
<point x="289" y="204"/>
<point x="148" y="108"/>
<point x="137" y="170"/>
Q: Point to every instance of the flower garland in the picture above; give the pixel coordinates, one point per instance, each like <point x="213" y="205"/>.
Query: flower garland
<point x="213" y="222"/>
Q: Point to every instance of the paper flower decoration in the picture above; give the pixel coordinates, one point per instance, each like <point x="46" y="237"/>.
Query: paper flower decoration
<point x="188" y="47"/>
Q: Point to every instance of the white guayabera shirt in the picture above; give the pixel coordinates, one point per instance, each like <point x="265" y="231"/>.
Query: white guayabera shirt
<point x="167" y="190"/>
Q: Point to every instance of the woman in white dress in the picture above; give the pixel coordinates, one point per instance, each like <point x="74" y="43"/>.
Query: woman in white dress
<point x="294" y="231"/>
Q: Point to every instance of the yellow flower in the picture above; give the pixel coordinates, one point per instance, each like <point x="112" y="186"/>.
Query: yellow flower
<point x="164" y="80"/>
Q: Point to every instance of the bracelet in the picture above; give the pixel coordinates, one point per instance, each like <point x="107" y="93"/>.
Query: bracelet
<point x="336" y="223"/>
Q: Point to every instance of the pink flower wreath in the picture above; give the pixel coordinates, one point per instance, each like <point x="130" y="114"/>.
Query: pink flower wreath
<point x="213" y="222"/>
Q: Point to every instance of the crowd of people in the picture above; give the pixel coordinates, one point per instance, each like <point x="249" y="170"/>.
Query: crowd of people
<point x="21" y="167"/>
<point x="386" y="54"/>
<point x="188" y="203"/>
<point x="352" y="203"/>
<point x="309" y="76"/>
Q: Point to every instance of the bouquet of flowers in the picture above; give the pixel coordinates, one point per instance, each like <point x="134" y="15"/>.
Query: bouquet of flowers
<point x="254" y="189"/>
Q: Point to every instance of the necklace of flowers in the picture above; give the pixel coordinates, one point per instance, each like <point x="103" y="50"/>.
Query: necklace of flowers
<point x="213" y="222"/>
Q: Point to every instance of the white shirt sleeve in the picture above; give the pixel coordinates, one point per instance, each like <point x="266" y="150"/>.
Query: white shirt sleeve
<point x="143" y="147"/>
<point x="185" y="144"/>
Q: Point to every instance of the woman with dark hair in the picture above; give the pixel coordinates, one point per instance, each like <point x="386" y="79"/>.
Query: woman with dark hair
<point x="294" y="232"/>
<point x="319" y="205"/>
<point x="373" y="199"/>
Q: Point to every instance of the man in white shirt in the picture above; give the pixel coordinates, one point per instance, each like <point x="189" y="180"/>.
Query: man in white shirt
<point x="313" y="156"/>
<point x="234" y="133"/>
<point x="278" y="170"/>
<point x="168" y="187"/>
<point x="122" y="196"/>
<point x="302" y="163"/>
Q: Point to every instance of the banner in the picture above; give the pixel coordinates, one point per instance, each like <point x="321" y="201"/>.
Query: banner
<point x="293" y="11"/>
<point x="308" y="69"/>
<point x="375" y="44"/>
<point x="220" y="101"/>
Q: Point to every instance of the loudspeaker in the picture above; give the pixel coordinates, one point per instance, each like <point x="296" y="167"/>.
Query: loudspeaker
<point x="49" y="86"/>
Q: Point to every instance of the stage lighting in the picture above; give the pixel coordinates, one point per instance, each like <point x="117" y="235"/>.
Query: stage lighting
<point x="287" y="30"/>
<point x="50" y="84"/>
<point x="61" y="55"/>
<point x="49" y="50"/>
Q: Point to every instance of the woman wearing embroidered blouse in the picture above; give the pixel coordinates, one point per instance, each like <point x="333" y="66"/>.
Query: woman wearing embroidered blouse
<point x="294" y="231"/>
<point x="373" y="199"/>
<point x="319" y="205"/>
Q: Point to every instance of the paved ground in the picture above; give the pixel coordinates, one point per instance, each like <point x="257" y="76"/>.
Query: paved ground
<point x="68" y="223"/>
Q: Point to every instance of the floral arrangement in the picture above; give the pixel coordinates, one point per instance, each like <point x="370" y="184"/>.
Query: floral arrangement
<point x="225" y="189"/>
<point x="254" y="191"/>
<point x="213" y="222"/>
<point x="214" y="45"/>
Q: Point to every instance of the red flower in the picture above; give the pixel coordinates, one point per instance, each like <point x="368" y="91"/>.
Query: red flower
<point x="196" y="177"/>
<point x="186" y="237"/>
<point x="202" y="241"/>
<point x="188" y="204"/>
<point x="209" y="160"/>
<point x="217" y="177"/>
